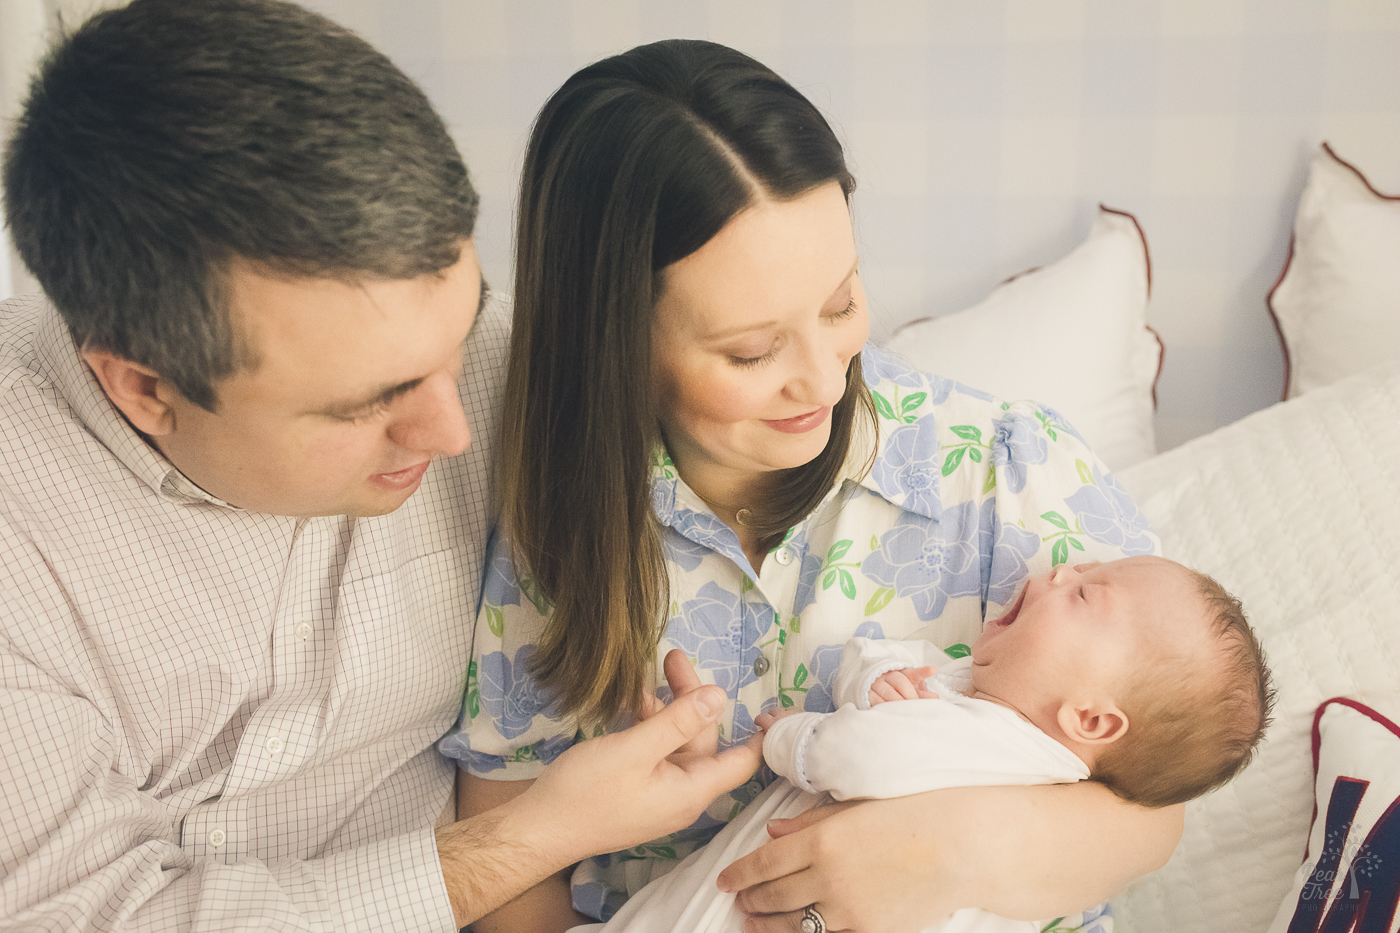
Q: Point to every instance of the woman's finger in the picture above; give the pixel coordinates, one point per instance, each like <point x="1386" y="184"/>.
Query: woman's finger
<point x="790" y="922"/>
<point x="781" y="898"/>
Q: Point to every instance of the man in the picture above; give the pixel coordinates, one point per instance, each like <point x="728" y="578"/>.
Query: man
<point x="241" y="540"/>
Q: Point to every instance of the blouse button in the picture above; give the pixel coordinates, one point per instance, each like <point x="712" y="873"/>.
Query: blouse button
<point x="216" y="838"/>
<point x="761" y="665"/>
<point x="303" y="630"/>
<point x="273" y="745"/>
<point x="783" y="556"/>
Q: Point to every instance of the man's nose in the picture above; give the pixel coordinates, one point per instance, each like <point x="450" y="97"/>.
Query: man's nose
<point x="431" y="420"/>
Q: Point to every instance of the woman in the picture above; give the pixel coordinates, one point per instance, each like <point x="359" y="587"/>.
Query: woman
<point x="701" y="453"/>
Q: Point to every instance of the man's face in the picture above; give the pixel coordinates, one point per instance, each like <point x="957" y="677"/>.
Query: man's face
<point x="353" y="394"/>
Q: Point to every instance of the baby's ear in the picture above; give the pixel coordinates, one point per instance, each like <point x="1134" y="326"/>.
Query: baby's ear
<point x="1096" y="724"/>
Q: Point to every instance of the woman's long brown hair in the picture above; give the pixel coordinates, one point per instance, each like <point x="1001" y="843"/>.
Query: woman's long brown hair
<point x="636" y="162"/>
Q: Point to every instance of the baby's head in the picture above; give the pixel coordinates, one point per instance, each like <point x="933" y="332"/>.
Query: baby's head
<point x="1145" y="669"/>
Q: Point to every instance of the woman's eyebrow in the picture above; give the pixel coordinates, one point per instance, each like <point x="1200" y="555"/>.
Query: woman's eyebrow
<point x="760" y="325"/>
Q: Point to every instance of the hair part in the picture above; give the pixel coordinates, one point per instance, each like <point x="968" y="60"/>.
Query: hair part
<point x="634" y="163"/>
<point x="162" y="140"/>
<point x="1194" y="726"/>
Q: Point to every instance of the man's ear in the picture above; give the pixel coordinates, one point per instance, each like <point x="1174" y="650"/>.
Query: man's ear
<point x="132" y="388"/>
<point x="1093" y="724"/>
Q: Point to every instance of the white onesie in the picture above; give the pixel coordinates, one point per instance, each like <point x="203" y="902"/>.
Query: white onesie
<point x="890" y="750"/>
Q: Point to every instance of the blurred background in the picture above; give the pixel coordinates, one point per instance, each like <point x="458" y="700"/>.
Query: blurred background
<point x="983" y="133"/>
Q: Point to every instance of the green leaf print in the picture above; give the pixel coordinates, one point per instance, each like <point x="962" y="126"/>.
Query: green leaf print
<point x="957" y="651"/>
<point x="874" y="543"/>
<point x="829" y="578"/>
<point x="1056" y="519"/>
<point x="799" y="677"/>
<point x="967" y="432"/>
<point x="786" y="700"/>
<point x="745" y="584"/>
<point x="848" y="585"/>
<point x="991" y="482"/>
<point x="1059" y="553"/>
<point x="912" y="402"/>
<point x="955" y="457"/>
<point x="795" y="625"/>
<point x="1074" y="543"/>
<point x="495" y="621"/>
<point x="1086" y="475"/>
<point x="879" y="600"/>
<point x="974" y="454"/>
<point x="838" y="551"/>
<point x="883" y="406"/>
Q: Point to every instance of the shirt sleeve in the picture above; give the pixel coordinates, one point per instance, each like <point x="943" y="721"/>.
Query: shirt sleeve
<point x="1050" y="501"/>
<point x="910" y="746"/>
<point x="85" y="848"/>
<point x="509" y="728"/>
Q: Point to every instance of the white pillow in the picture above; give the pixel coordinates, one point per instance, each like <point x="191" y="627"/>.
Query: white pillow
<point x="1351" y="872"/>
<point x="1072" y="335"/>
<point x="1337" y="302"/>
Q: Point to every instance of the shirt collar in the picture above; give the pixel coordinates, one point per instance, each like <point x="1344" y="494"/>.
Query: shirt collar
<point x="903" y="470"/>
<point x="65" y="367"/>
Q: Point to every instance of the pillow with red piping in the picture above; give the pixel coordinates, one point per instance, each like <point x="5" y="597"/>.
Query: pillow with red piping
<point x="1337" y="302"/>
<point x="1350" y="877"/>
<point x="1072" y="335"/>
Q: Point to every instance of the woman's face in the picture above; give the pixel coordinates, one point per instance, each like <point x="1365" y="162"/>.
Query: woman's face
<point x="751" y="338"/>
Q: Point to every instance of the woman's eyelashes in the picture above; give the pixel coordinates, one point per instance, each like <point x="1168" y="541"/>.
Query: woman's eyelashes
<point x="747" y="362"/>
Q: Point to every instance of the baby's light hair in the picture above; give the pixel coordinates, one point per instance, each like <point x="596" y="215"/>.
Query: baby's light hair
<point x="1192" y="726"/>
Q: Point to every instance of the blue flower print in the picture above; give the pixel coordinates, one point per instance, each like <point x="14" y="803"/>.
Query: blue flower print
<point x="907" y="470"/>
<point x="500" y="587"/>
<point x="682" y="551"/>
<point x="929" y="561"/>
<point x="1109" y="516"/>
<point x="974" y="393"/>
<point x="869" y="629"/>
<point x="458" y="746"/>
<point x="878" y="365"/>
<point x="826" y="661"/>
<point x="1006" y="553"/>
<point x="1058" y="422"/>
<point x="546" y="750"/>
<point x="508" y="692"/>
<point x="742" y="727"/>
<point x="721" y="633"/>
<point x="1019" y="445"/>
<point x="1094" y="920"/>
<point x="595" y="900"/>
<point x="809" y="569"/>
<point x="705" y="529"/>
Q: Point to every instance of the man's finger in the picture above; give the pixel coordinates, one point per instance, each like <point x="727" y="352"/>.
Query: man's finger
<point x="680" y="674"/>
<point x="682" y="720"/>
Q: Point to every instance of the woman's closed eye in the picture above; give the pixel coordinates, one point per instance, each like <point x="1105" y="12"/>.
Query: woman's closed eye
<point x="748" y="362"/>
<point x="844" y="313"/>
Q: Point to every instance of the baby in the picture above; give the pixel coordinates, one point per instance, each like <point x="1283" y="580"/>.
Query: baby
<point x="1138" y="673"/>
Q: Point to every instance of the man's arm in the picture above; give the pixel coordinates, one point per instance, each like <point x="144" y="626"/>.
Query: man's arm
<point x="1020" y="852"/>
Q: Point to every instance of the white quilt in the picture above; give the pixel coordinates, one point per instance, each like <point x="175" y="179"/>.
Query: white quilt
<point x="1296" y="510"/>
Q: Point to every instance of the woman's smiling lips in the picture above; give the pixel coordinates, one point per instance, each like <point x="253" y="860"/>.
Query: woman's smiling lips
<point x="802" y="423"/>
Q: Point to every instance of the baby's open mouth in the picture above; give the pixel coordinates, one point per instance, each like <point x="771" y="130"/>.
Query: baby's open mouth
<point x="1015" y="610"/>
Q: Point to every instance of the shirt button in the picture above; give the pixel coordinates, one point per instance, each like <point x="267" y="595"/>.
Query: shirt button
<point x="273" y="744"/>
<point x="216" y="838"/>
<point x="303" y="630"/>
<point x="761" y="665"/>
<point x="783" y="556"/>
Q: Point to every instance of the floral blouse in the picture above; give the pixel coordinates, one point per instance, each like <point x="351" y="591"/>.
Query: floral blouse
<point x="967" y="496"/>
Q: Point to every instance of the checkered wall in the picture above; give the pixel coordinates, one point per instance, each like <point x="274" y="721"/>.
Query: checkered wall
<point x="985" y="132"/>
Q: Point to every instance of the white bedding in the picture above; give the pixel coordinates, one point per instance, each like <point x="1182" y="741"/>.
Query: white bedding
<point x="1296" y="510"/>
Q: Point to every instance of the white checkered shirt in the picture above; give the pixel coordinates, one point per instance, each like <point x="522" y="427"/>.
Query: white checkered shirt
<point x="212" y="718"/>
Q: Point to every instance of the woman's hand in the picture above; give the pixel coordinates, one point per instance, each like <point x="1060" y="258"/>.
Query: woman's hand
<point x="898" y="865"/>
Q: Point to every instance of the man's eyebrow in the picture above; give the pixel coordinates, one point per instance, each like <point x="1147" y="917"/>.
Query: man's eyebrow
<point x="384" y="396"/>
<point x="387" y="394"/>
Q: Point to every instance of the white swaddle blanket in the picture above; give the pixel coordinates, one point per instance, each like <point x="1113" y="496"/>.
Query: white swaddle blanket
<point x="891" y="750"/>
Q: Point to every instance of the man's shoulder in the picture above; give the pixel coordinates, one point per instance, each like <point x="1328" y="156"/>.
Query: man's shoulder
<point x="19" y="324"/>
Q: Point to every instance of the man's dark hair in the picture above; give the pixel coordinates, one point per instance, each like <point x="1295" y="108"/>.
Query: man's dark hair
<point x="161" y="141"/>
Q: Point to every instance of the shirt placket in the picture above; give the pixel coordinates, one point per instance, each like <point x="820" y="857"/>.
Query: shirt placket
<point x="284" y="731"/>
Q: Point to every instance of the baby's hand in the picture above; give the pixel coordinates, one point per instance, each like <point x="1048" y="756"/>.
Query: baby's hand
<point x="765" y="720"/>
<point x="906" y="684"/>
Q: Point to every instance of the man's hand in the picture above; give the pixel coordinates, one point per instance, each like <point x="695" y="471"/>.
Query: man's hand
<point x="600" y="796"/>
<point x="903" y="684"/>
<point x="891" y="866"/>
